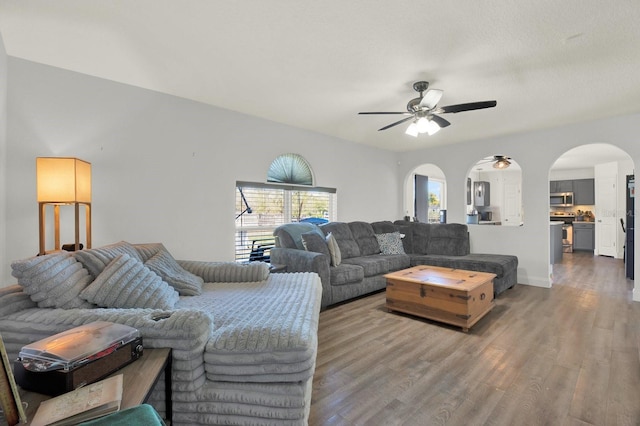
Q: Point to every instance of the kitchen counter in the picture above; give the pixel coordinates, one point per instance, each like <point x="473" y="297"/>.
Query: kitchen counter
<point x="555" y="237"/>
<point x="489" y="222"/>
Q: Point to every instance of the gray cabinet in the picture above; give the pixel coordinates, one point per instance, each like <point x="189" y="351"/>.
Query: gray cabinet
<point x="584" y="192"/>
<point x="583" y="236"/>
<point x="561" y="186"/>
<point x="481" y="194"/>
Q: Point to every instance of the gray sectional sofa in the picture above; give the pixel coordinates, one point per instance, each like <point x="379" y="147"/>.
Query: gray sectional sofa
<point x="366" y="254"/>
<point x="244" y="341"/>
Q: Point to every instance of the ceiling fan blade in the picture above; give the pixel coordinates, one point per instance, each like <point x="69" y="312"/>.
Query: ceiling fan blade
<point x="467" y="107"/>
<point x="404" y="113"/>
<point x="440" y="121"/>
<point x="396" y="123"/>
<point x="431" y="98"/>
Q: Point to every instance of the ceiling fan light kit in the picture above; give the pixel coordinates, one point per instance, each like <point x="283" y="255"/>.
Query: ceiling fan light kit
<point x="424" y="109"/>
<point x="502" y="162"/>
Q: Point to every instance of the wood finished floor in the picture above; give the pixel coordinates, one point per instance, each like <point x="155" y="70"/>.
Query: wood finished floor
<point x="568" y="355"/>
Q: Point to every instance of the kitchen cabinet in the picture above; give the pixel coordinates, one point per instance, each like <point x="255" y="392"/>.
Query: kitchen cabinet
<point x="481" y="194"/>
<point x="561" y="186"/>
<point x="584" y="192"/>
<point x="584" y="236"/>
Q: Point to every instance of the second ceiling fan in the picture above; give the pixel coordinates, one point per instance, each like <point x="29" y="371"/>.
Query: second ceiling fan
<point x="424" y="111"/>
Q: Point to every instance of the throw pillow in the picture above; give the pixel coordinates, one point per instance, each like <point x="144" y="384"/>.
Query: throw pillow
<point x="312" y="241"/>
<point x="146" y="250"/>
<point x="127" y="283"/>
<point x="390" y="243"/>
<point x="95" y="260"/>
<point x="164" y="265"/>
<point x="334" y="250"/>
<point x="53" y="280"/>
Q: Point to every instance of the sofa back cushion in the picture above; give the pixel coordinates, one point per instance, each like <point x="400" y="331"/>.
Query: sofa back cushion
<point x="383" y="227"/>
<point x="365" y="237"/>
<point x="289" y="235"/>
<point x="417" y="236"/>
<point x="449" y="239"/>
<point x="346" y="242"/>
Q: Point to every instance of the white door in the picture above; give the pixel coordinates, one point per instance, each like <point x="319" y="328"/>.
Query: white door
<point x="606" y="206"/>
<point x="512" y="204"/>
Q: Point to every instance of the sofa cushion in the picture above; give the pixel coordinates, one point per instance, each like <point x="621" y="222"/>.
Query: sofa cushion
<point x="53" y="281"/>
<point x="227" y="272"/>
<point x="390" y="243"/>
<point x="346" y="274"/>
<point x="372" y="265"/>
<point x="344" y="237"/>
<point x="365" y="237"/>
<point x="126" y="283"/>
<point x="289" y="235"/>
<point x="312" y="241"/>
<point x="334" y="250"/>
<point x="147" y="250"/>
<point x="448" y="239"/>
<point x="397" y="261"/>
<point x="166" y="267"/>
<point x="406" y="230"/>
<point x="383" y="227"/>
<point x="420" y="235"/>
<point x="498" y="264"/>
<point x="95" y="260"/>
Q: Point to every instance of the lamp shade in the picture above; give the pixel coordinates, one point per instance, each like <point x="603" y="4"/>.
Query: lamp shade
<point x="63" y="180"/>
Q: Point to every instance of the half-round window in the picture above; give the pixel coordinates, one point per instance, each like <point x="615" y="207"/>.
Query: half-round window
<point x="290" y="168"/>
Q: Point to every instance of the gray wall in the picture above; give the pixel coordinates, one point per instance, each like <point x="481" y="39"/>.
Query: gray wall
<point x="164" y="168"/>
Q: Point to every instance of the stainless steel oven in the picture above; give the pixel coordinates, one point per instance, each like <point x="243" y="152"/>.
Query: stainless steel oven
<point x="561" y="199"/>
<point x="567" y="228"/>
<point x="567" y="238"/>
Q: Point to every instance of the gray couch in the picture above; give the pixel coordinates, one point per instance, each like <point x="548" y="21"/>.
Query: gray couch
<point x="244" y="341"/>
<point x="363" y="263"/>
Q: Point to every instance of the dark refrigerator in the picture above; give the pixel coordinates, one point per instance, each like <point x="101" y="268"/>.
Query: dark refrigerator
<point x="629" y="237"/>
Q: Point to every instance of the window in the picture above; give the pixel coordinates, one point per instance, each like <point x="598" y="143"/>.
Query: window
<point x="436" y="199"/>
<point x="260" y="208"/>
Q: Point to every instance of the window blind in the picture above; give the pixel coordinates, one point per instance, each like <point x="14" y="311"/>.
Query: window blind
<point x="260" y="208"/>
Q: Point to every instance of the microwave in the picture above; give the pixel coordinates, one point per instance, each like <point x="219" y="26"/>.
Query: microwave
<point x="561" y="199"/>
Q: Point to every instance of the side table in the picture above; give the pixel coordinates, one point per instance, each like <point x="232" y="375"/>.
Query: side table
<point x="139" y="378"/>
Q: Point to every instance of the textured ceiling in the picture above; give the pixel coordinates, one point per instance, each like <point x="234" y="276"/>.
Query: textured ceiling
<point x="316" y="64"/>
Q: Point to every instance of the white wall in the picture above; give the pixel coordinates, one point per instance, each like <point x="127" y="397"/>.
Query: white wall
<point x="4" y="258"/>
<point x="164" y="168"/>
<point x="535" y="152"/>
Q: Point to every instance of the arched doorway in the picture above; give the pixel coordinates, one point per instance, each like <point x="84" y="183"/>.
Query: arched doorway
<point x="425" y="194"/>
<point x="589" y="193"/>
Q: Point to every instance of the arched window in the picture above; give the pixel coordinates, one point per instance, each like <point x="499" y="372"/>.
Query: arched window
<point x="289" y="195"/>
<point x="290" y="168"/>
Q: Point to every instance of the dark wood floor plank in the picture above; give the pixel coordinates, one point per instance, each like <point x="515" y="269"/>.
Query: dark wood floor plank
<point x="569" y="355"/>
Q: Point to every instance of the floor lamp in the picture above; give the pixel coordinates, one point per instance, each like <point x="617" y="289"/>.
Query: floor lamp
<point x="63" y="181"/>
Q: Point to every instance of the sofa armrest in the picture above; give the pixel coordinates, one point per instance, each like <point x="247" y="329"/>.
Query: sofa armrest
<point x="227" y="272"/>
<point x="305" y="261"/>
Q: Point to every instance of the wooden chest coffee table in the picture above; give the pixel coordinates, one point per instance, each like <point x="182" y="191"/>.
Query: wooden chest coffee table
<point x="452" y="296"/>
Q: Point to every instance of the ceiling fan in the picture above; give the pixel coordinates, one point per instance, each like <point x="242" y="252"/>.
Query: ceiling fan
<point x="499" y="161"/>
<point x="424" y="109"/>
